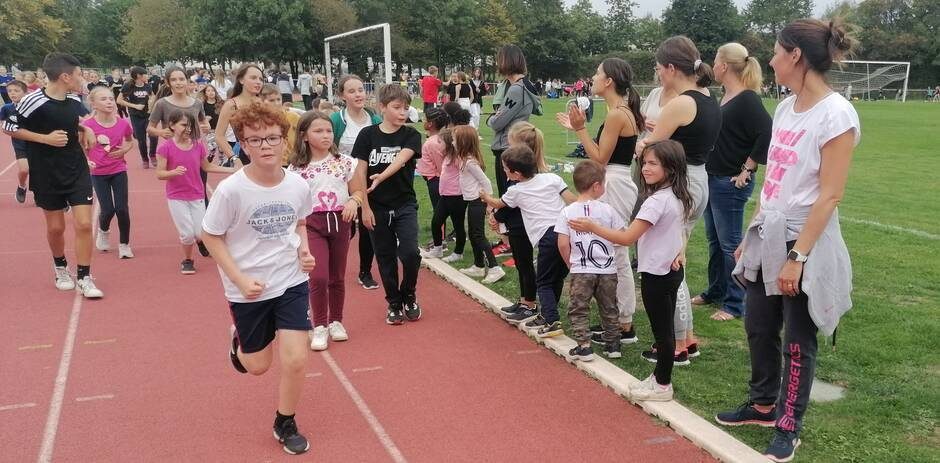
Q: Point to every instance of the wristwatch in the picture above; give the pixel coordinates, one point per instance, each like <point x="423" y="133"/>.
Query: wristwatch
<point x="795" y="256"/>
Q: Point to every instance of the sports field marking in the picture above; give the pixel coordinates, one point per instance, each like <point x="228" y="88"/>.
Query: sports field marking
<point x="34" y="347"/>
<point x="58" y="392"/>
<point x="529" y="352"/>
<point x="4" y="408"/>
<point x="100" y="341"/>
<point x="366" y="369"/>
<point x="5" y="169"/>
<point x="377" y="428"/>
<point x="885" y="226"/>
<point x="313" y="375"/>
<point x="94" y="397"/>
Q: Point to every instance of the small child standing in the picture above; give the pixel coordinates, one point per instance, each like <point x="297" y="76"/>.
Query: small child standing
<point x="659" y="228"/>
<point x="590" y="259"/>
<point x="337" y="196"/>
<point x="450" y="203"/>
<point x="113" y="139"/>
<point x="541" y="199"/>
<point x="388" y="151"/>
<point x="432" y="153"/>
<point x="473" y="181"/>
<point x="179" y="161"/>
<point x="16" y="90"/>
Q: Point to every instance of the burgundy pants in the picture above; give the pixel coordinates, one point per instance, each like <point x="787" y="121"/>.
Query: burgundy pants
<point x="328" y="236"/>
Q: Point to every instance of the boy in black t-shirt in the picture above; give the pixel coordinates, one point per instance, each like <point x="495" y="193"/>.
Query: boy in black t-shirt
<point x="48" y="120"/>
<point x="388" y="152"/>
<point x="135" y="96"/>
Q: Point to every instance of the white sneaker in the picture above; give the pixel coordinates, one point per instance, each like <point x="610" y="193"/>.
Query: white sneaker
<point x="338" y="332"/>
<point x="474" y="271"/>
<point x="319" y="339"/>
<point x="63" y="280"/>
<point x="650" y="390"/>
<point x="452" y="257"/>
<point x="124" y="251"/>
<point x="435" y="252"/>
<point x="87" y="287"/>
<point x="494" y="274"/>
<point x="102" y="242"/>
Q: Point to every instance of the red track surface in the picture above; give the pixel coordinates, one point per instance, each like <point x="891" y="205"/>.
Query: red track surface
<point x="149" y="378"/>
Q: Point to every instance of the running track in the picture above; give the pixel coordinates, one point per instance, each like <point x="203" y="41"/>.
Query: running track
<point x="148" y="376"/>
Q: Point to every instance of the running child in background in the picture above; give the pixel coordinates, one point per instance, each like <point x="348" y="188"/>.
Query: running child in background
<point x="16" y="90"/>
<point x="432" y="154"/>
<point x="49" y="121"/>
<point x="659" y="228"/>
<point x="136" y="96"/>
<point x="388" y="151"/>
<point x="337" y="197"/>
<point x="253" y="228"/>
<point x="430" y="88"/>
<point x="270" y="95"/>
<point x="114" y="137"/>
<point x="346" y="127"/>
<point x="590" y="259"/>
<point x="541" y="199"/>
<point x="473" y="181"/>
<point x="450" y="203"/>
<point x="179" y="161"/>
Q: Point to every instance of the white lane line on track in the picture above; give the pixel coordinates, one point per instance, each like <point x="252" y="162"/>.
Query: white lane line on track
<point x="529" y="352"/>
<point x="100" y="341"/>
<point x="34" y="347"/>
<point x="4" y="408"/>
<point x="5" y="169"/>
<point x="94" y="397"/>
<point x="367" y="369"/>
<point x="377" y="428"/>
<point x="313" y="375"/>
<point x="58" y="392"/>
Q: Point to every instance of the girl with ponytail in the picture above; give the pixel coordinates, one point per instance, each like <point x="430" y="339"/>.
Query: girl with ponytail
<point x="614" y="147"/>
<point x="741" y="146"/>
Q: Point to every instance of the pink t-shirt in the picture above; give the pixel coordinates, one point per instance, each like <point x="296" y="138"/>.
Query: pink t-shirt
<point x="432" y="156"/>
<point x="450" y="178"/>
<point x="186" y="187"/>
<point x="108" y="139"/>
<point x="660" y="245"/>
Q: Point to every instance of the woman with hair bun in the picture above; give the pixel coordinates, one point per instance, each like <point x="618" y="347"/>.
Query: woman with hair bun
<point x="741" y="146"/>
<point x="793" y="261"/>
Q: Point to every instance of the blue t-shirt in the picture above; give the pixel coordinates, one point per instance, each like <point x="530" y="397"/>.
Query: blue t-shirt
<point x="7" y="110"/>
<point x="4" y="80"/>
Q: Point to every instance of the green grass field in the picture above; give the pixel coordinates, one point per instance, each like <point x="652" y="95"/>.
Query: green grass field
<point x="887" y="355"/>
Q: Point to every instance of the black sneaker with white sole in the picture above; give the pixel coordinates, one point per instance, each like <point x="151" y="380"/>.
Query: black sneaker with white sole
<point x="187" y="267"/>
<point x="522" y="316"/>
<point x="286" y="433"/>
<point x="395" y="315"/>
<point x="746" y="413"/>
<point x="626" y="337"/>
<point x="612" y="350"/>
<point x="680" y="359"/>
<point x="535" y="323"/>
<point x="367" y="282"/>
<point x="511" y="309"/>
<point x="412" y="311"/>
<point x="782" y="446"/>
<point x="582" y="353"/>
<point x="233" y="355"/>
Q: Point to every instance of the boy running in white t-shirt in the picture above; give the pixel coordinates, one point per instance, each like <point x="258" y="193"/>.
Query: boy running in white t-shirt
<point x="590" y="259"/>
<point x="253" y="229"/>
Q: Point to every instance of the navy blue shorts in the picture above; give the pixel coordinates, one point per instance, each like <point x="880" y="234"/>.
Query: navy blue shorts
<point x="257" y="322"/>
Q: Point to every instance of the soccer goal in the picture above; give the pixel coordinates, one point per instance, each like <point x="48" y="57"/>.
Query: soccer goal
<point x="387" y="42"/>
<point x="871" y="80"/>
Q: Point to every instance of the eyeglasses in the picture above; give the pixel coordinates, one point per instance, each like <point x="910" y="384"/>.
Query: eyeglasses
<point x="272" y="140"/>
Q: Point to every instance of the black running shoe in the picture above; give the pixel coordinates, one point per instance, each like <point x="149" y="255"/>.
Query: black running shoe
<point x="511" y="309"/>
<point x="612" y="350"/>
<point x="522" y="316"/>
<point x="626" y="337"/>
<point x="294" y="442"/>
<point x="535" y="323"/>
<point x="20" y="194"/>
<point x="412" y="311"/>
<point x="747" y="414"/>
<point x="187" y="267"/>
<point x="693" y="350"/>
<point x="680" y="359"/>
<point x="783" y="446"/>
<point x="233" y="354"/>
<point x="203" y="250"/>
<point x="582" y="353"/>
<point x="367" y="282"/>
<point x="395" y="315"/>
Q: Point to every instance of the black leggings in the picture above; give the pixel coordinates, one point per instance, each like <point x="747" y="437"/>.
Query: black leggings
<point x="366" y="253"/>
<point x="139" y="125"/>
<point x="502" y="183"/>
<point x="455" y="208"/>
<point x="112" y="197"/>
<point x="476" y="223"/>
<point x="525" y="267"/>
<point x="659" y="297"/>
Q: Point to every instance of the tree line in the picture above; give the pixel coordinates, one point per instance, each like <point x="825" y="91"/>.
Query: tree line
<point x="560" y="41"/>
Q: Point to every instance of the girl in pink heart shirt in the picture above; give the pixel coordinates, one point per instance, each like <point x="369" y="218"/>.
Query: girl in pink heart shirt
<point x="336" y="200"/>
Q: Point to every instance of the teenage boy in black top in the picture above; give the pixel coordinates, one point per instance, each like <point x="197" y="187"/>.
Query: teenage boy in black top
<point x="135" y="96"/>
<point x="48" y="120"/>
<point x="388" y="151"/>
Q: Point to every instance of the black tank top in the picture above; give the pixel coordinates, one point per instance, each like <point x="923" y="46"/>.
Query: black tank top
<point x="698" y="138"/>
<point x="623" y="150"/>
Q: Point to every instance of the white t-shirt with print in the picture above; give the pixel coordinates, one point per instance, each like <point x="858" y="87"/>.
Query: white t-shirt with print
<point x="590" y="253"/>
<point x="328" y="179"/>
<point x="539" y="199"/>
<point x="658" y="247"/>
<point x="348" y="138"/>
<point x="794" y="156"/>
<point x="258" y="225"/>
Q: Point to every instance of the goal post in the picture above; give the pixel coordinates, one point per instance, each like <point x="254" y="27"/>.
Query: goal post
<point x="871" y="79"/>
<point x="387" y="42"/>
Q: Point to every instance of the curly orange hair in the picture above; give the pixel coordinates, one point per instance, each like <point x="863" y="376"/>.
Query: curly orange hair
<point x="257" y="116"/>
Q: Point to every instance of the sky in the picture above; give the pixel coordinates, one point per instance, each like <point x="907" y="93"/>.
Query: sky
<point x="656" y="7"/>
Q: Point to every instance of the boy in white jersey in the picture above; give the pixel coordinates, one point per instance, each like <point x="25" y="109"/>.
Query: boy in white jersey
<point x="591" y="261"/>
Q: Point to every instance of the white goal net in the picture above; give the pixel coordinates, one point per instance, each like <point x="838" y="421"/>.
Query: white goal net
<point x="871" y="80"/>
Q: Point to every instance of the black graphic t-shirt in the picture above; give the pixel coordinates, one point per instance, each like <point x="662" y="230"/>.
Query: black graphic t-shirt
<point x="378" y="149"/>
<point x="137" y="95"/>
